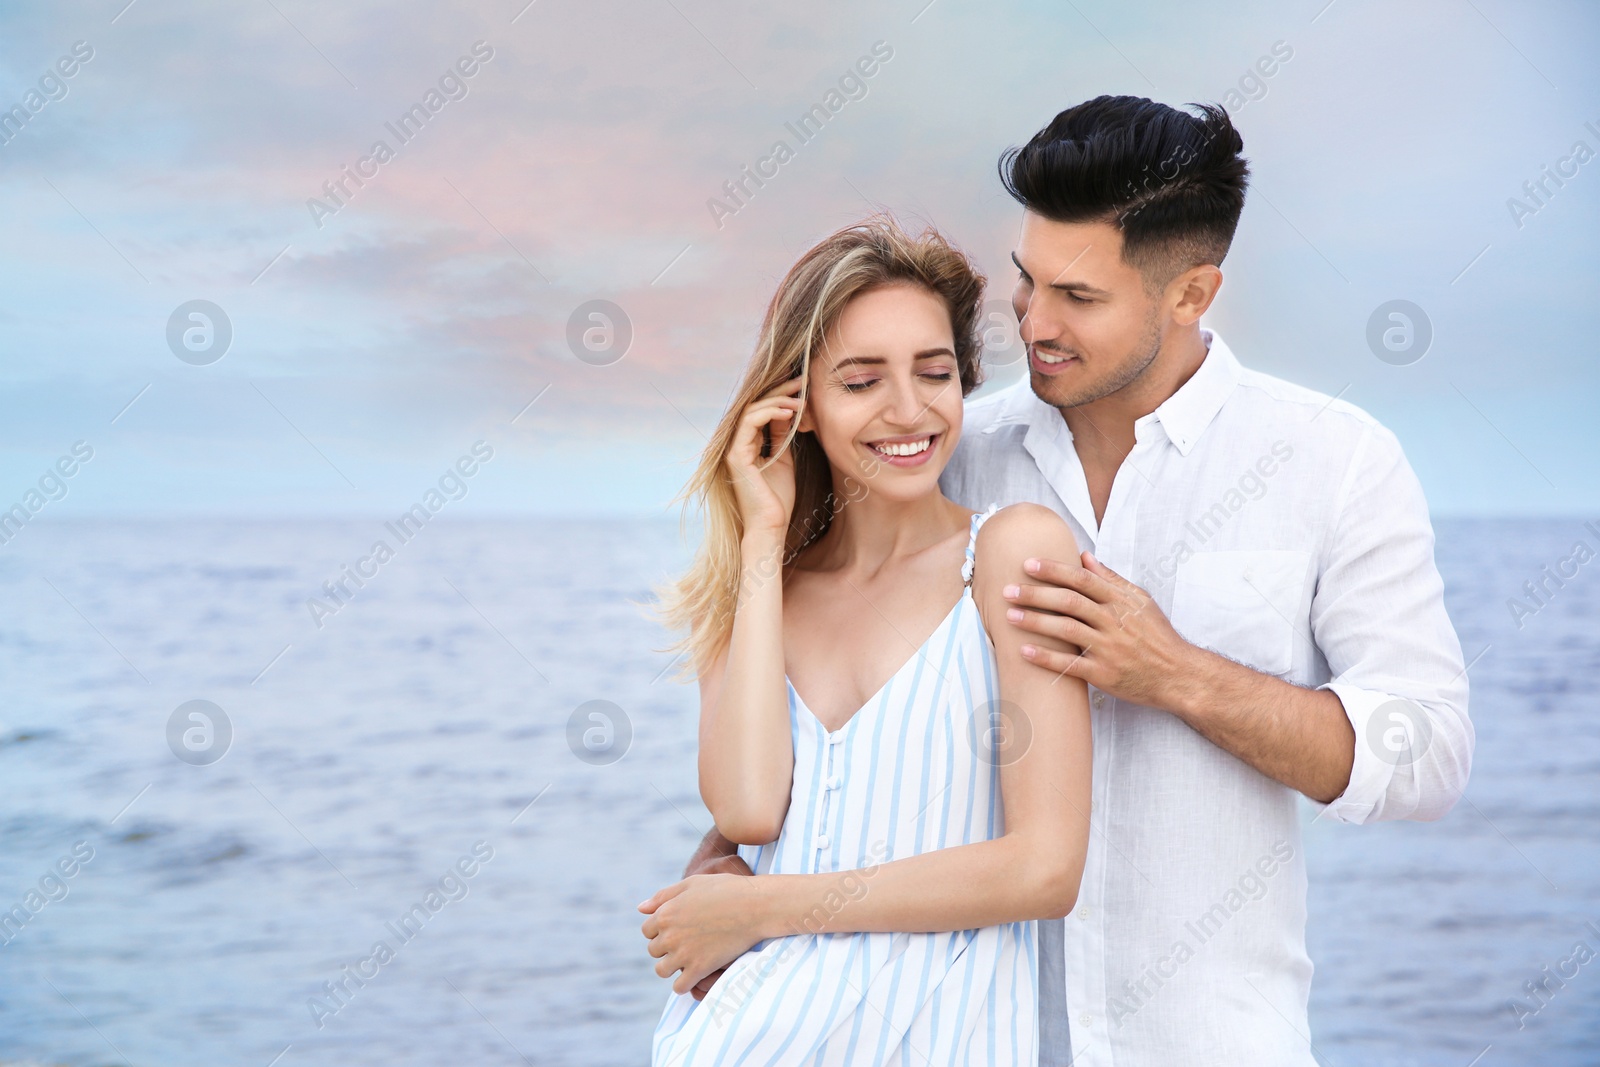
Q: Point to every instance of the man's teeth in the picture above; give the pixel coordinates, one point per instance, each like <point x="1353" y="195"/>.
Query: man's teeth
<point x="1045" y="357"/>
<point x="907" y="448"/>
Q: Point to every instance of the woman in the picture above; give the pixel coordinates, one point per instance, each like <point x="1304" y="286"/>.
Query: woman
<point x="864" y="707"/>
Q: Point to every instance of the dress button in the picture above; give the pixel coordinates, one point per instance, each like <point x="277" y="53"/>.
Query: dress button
<point x="1099" y="700"/>
<point x="821" y="841"/>
<point x="1083" y="913"/>
<point x="1086" y="1019"/>
<point x="836" y="781"/>
<point x="835" y="737"/>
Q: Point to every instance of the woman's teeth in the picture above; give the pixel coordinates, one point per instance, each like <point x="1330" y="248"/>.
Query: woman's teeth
<point x="906" y="448"/>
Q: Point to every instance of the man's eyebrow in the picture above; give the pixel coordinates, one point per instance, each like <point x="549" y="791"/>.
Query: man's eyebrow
<point x="878" y="361"/>
<point x="1066" y="287"/>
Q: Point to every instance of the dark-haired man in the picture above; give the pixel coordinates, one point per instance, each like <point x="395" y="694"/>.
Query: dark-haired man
<point x="1260" y="615"/>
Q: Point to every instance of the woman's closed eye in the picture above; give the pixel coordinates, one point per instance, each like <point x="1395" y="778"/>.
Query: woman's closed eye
<point x="856" y="385"/>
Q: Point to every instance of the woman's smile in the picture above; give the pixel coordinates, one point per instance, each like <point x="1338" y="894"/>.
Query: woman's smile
<point x="906" y="450"/>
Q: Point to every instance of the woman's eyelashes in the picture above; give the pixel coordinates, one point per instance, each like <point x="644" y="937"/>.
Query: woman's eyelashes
<point x="856" y="385"/>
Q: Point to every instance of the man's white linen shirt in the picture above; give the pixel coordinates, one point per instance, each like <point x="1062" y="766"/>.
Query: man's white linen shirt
<point x="1285" y="530"/>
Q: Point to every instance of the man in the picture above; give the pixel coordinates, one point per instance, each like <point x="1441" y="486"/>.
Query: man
<point x="1259" y="612"/>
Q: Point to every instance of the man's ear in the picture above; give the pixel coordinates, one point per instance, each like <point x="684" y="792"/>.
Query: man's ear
<point x="1196" y="289"/>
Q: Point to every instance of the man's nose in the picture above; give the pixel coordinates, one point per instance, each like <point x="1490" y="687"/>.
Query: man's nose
<point x="1036" y="324"/>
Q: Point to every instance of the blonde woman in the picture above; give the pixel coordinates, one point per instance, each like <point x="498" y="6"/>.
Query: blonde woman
<point x="908" y="788"/>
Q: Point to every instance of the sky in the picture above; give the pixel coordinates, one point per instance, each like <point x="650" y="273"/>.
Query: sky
<point x="380" y="332"/>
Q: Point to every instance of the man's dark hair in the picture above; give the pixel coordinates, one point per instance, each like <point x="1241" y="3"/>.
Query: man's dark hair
<point x="1174" y="183"/>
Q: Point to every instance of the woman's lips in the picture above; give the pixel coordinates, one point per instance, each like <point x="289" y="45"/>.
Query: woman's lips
<point x="916" y="459"/>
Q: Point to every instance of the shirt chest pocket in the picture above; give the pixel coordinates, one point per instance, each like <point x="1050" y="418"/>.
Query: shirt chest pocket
<point x="1245" y="605"/>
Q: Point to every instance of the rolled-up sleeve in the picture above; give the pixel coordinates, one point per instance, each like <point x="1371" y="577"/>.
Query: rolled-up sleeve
<point x="1379" y="620"/>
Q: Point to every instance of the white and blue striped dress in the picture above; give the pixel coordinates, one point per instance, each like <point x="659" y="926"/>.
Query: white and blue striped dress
<point x="915" y="769"/>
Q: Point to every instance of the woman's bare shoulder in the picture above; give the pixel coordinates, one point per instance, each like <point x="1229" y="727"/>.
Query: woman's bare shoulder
<point x="1019" y="532"/>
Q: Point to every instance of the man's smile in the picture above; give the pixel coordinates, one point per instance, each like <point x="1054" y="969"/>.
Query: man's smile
<point x="1049" y="362"/>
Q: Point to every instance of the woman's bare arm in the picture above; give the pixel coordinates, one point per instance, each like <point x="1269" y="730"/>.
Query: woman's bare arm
<point x="746" y="754"/>
<point x="746" y="751"/>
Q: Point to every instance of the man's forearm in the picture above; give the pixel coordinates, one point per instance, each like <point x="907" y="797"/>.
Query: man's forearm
<point x="713" y="847"/>
<point x="1300" y="737"/>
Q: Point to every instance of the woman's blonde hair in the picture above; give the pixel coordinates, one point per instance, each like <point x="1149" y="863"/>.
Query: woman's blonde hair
<point x="871" y="254"/>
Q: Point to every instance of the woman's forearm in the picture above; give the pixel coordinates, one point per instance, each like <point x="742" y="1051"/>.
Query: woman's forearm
<point x="1008" y="879"/>
<point x="746" y="753"/>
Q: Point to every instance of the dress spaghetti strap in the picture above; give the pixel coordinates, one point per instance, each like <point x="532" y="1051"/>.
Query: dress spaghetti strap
<point x="978" y="519"/>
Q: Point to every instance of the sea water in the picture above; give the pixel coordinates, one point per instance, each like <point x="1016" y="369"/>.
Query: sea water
<point x="437" y="718"/>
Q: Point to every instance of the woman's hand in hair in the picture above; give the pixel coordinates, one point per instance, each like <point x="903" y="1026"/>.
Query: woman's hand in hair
<point x="764" y="488"/>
